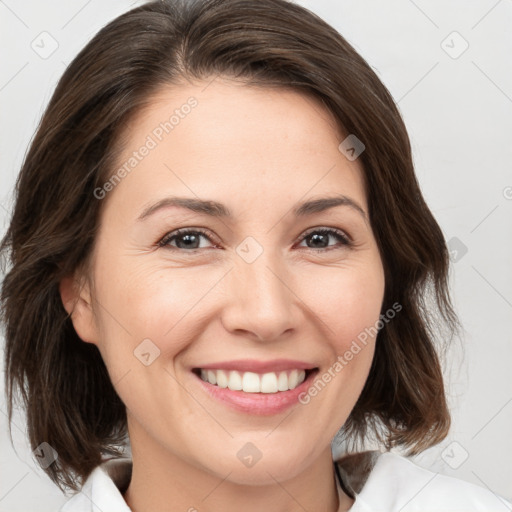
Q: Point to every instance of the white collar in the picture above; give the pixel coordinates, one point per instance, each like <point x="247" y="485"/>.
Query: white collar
<point x="379" y="482"/>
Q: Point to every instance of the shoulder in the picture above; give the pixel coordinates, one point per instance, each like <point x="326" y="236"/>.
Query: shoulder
<point x="102" y="491"/>
<point x="395" y="483"/>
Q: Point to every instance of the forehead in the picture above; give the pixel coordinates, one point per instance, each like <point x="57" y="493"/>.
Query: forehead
<point x="243" y="143"/>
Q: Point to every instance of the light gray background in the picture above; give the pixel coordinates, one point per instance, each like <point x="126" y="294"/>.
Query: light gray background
<point x="457" y="106"/>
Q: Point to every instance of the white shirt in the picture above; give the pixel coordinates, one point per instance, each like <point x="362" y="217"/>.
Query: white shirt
<point x="378" y="482"/>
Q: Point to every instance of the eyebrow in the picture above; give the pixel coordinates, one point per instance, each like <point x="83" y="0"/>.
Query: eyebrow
<point x="216" y="209"/>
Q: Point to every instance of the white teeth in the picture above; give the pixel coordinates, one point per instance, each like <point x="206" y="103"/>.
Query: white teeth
<point x="235" y="381"/>
<point x="222" y="379"/>
<point x="269" y="383"/>
<point x="251" y="382"/>
<point x="282" y="382"/>
<point x="212" y="377"/>
<point x="293" y="379"/>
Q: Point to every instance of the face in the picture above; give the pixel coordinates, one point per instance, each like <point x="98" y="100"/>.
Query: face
<point x="264" y="291"/>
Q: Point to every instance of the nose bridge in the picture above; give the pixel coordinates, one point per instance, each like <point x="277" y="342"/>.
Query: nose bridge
<point x="261" y="299"/>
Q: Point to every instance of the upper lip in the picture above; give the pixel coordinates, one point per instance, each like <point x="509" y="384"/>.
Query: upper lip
<point x="253" y="365"/>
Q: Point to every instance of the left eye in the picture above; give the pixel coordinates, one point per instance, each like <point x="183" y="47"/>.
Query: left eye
<point x="321" y="236"/>
<point x="190" y="238"/>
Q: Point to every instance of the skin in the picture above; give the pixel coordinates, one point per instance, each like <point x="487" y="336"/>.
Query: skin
<point x="259" y="151"/>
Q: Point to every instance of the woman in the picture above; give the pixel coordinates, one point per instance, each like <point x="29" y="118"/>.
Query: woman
<point x="220" y="254"/>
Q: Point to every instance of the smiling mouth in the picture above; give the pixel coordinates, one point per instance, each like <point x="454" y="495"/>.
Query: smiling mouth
<point x="251" y="382"/>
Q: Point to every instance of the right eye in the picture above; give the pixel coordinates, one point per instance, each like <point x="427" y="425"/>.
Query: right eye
<point x="185" y="238"/>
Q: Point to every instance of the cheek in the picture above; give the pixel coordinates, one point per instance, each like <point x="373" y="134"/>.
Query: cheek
<point x="144" y="301"/>
<point x="151" y="301"/>
<point x="347" y="300"/>
<point x="348" y="303"/>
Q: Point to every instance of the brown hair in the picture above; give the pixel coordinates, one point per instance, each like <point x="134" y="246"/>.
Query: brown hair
<point x="69" y="399"/>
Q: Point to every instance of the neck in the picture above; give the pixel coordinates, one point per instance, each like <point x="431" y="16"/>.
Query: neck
<point x="163" y="481"/>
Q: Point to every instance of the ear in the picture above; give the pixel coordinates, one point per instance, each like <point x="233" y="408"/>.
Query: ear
<point x="76" y="299"/>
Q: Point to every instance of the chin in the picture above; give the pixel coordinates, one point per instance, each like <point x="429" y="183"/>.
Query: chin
<point x="263" y="473"/>
<point x="249" y="466"/>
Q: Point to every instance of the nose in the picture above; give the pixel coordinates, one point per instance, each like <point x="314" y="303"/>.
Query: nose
<point x="261" y="303"/>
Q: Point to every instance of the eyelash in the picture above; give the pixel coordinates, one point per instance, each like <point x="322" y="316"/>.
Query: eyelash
<point x="340" y="235"/>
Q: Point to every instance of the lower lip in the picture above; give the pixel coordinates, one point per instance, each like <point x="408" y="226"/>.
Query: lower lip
<point x="258" y="403"/>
